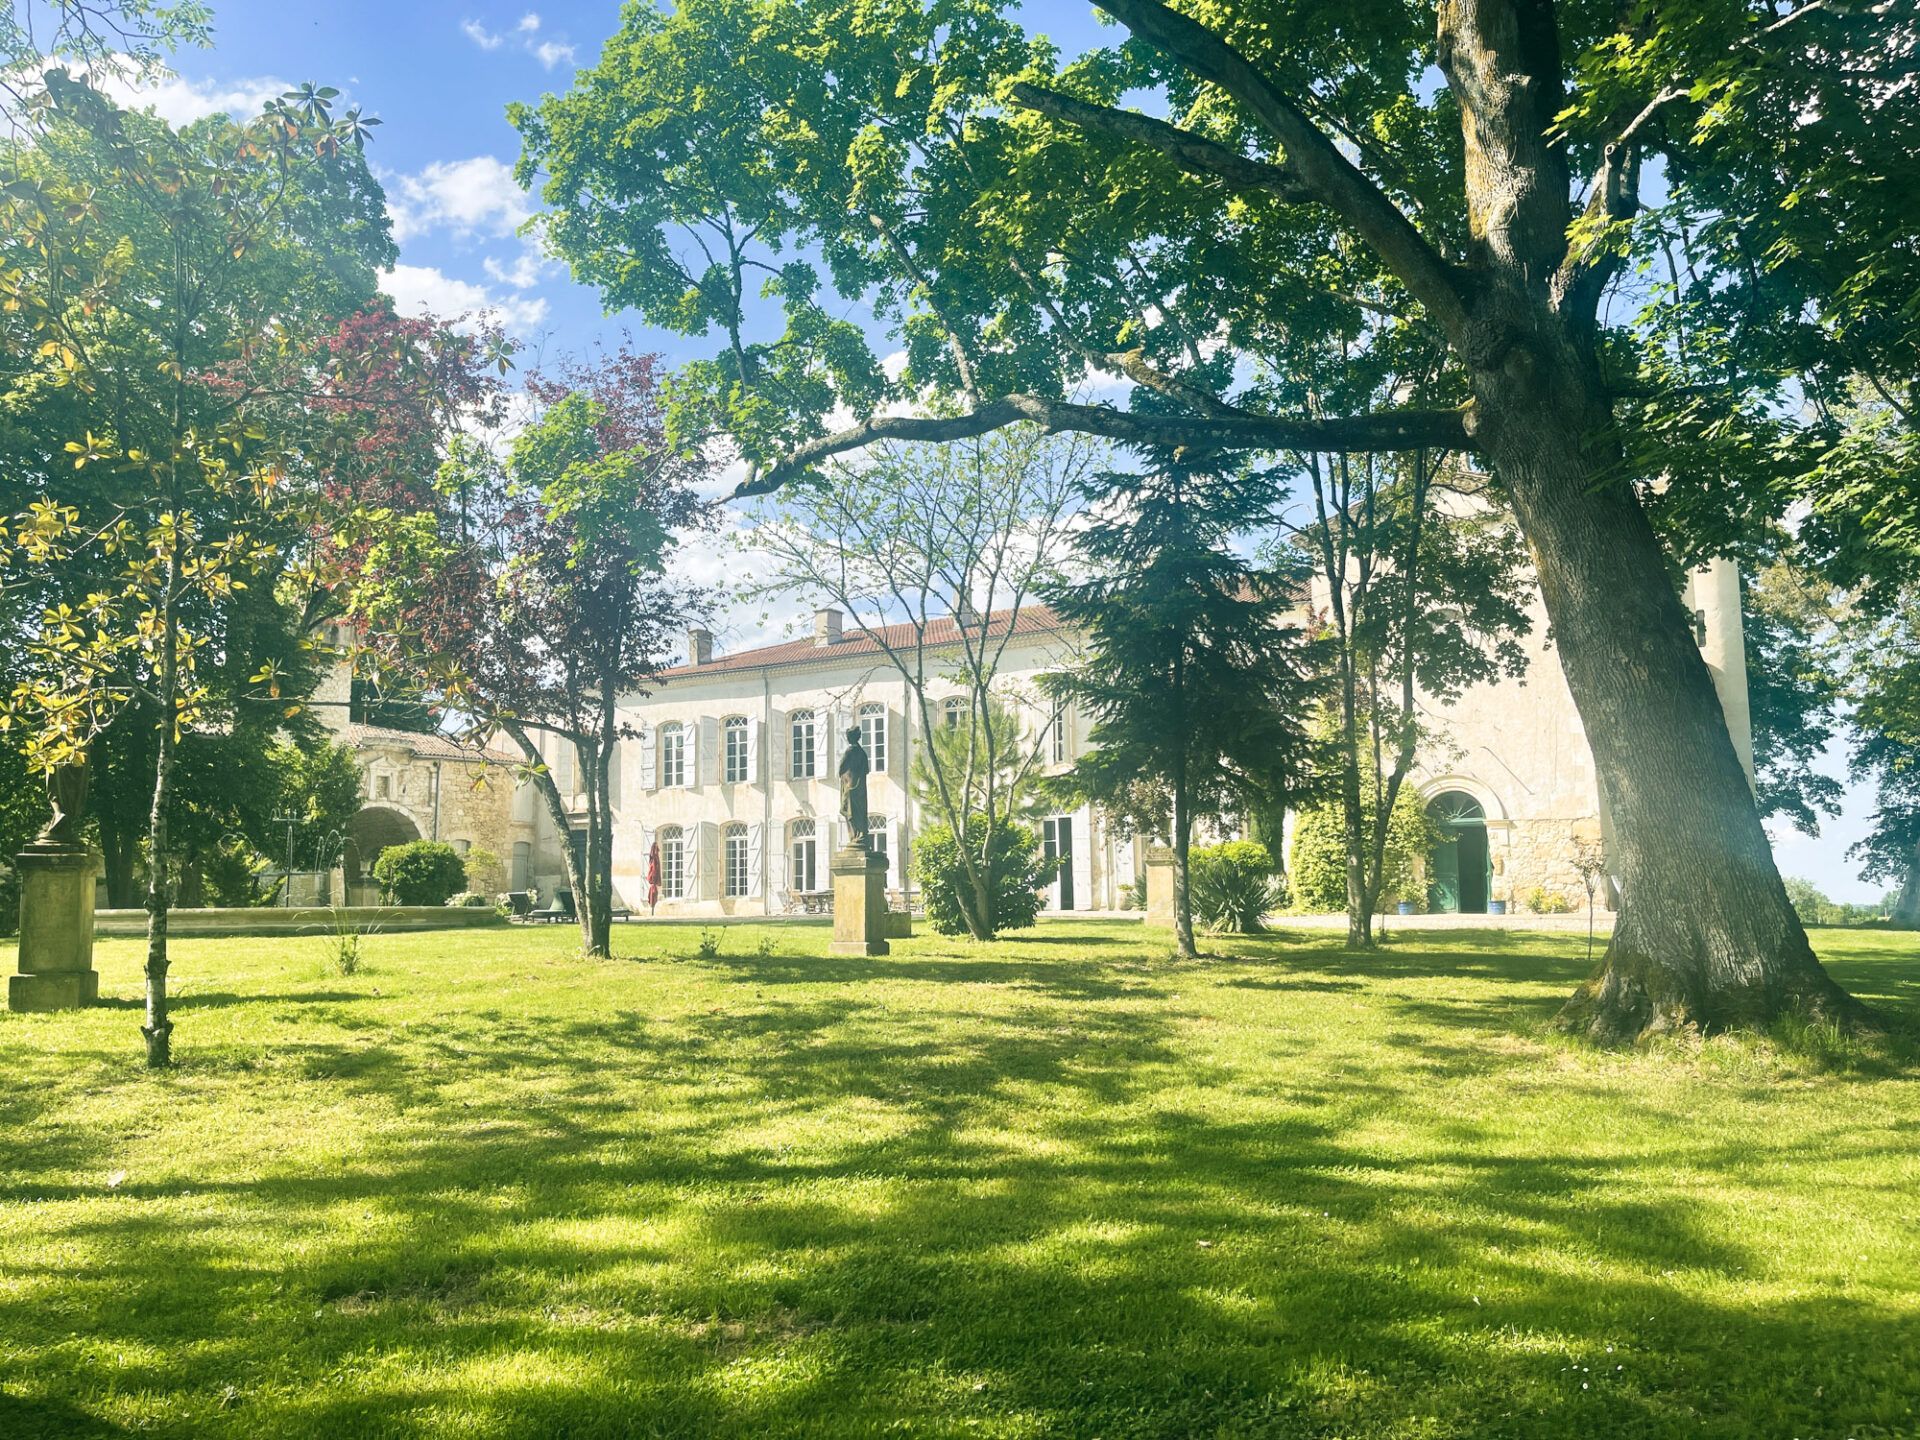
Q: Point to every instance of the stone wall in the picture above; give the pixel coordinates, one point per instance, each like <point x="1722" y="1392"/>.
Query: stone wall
<point x="1541" y="854"/>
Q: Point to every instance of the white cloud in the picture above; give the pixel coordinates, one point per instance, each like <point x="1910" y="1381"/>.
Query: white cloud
<point x="417" y="288"/>
<point x="480" y="35"/>
<point x="526" y="270"/>
<point x="465" y="196"/>
<point x="179" y="101"/>
<point x="549" y="53"/>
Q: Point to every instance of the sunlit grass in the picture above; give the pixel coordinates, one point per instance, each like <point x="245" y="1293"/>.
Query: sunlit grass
<point x="1062" y="1185"/>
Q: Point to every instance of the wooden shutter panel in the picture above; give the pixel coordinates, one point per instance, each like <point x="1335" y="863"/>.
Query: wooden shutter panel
<point x="711" y="879"/>
<point x="706" y="769"/>
<point x="649" y="758"/>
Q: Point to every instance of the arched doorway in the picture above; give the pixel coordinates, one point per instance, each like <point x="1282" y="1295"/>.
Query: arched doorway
<point x="1462" y="876"/>
<point x="371" y="831"/>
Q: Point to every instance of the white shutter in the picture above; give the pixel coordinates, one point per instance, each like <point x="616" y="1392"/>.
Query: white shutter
<point x="896" y="848"/>
<point x="756" y="858"/>
<point x="753" y="751"/>
<point x="649" y="761"/>
<point x="709" y="874"/>
<point x="894" y="731"/>
<point x="780" y="746"/>
<point x="690" y="876"/>
<point x="831" y="744"/>
<point x="706" y="767"/>
<point x="1083" y="860"/>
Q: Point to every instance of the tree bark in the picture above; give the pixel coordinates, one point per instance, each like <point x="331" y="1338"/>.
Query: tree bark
<point x="1182" y="891"/>
<point x="1706" y="936"/>
<point x="1906" y="905"/>
<point x="158" y="1029"/>
<point x="116" y="853"/>
<point x="598" y="911"/>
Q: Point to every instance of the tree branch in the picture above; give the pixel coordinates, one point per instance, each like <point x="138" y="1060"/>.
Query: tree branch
<point x="1385" y="430"/>
<point x="1310" y="155"/>
<point x="1193" y="153"/>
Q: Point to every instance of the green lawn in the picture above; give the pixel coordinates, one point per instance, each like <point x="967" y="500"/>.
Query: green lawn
<point x="1061" y="1185"/>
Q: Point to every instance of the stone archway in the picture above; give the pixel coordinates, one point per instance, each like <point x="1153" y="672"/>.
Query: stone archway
<point x="372" y="830"/>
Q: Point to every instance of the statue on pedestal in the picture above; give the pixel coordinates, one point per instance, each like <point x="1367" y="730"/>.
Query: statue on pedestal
<point x="854" y="768"/>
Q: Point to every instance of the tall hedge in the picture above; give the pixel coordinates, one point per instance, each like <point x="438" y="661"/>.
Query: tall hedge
<point x="1319" y="870"/>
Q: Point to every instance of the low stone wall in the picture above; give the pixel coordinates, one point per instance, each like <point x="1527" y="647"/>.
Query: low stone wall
<point x="384" y="919"/>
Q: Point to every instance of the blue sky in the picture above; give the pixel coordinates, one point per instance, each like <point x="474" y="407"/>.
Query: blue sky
<point x="440" y="77"/>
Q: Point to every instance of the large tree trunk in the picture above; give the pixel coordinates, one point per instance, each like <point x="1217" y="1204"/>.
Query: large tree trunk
<point x="1906" y="904"/>
<point x="1706" y="936"/>
<point x="116" y="854"/>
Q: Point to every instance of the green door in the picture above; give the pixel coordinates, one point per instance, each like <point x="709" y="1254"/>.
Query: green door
<point x="1462" y="860"/>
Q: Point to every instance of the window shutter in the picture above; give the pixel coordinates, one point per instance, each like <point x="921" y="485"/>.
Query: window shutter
<point x="649" y="758"/>
<point x="756" y="858"/>
<point x="753" y="752"/>
<point x="706" y="767"/>
<point x="779" y="745"/>
<point x="710" y="877"/>
<point x="1083" y="860"/>
<point x="896" y="856"/>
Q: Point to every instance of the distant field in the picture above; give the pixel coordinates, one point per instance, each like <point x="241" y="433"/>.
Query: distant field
<point x="1062" y="1185"/>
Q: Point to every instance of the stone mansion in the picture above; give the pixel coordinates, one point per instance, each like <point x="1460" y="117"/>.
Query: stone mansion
<point x="733" y="774"/>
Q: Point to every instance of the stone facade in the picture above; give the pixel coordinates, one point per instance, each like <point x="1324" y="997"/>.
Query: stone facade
<point x="1516" y="748"/>
<point x="755" y="834"/>
<point x="731" y="771"/>
<point x="422" y="787"/>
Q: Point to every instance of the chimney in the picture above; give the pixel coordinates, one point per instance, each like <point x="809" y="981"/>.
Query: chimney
<point x="966" y="615"/>
<point x="826" y="627"/>
<point x="699" y="646"/>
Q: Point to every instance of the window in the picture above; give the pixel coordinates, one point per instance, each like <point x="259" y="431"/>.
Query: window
<point x="803" y="870"/>
<point x="736" y="757"/>
<point x="954" y="711"/>
<point x="734" y="845"/>
<point x="1057" y="732"/>
<point x="877" y="834"/>
<point x="800" y="723"/>
<point x="522" y="874"/>
<point x="383" y="787"/>
<point x="673" y="756"/>
<point x="873" y="734"/>
<point x="673" y="863"/>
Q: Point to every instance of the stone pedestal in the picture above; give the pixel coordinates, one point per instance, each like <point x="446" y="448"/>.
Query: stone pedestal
<point x="859" y="902"/>
<point x="56" y="931"/>
<point x="1159" y="885"/>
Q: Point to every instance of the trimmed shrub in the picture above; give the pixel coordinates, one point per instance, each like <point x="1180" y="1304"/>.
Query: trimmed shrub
<point x="1232" y="886"/>
<point x="421" y="872"/>
<point x="1017" y="873"/>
